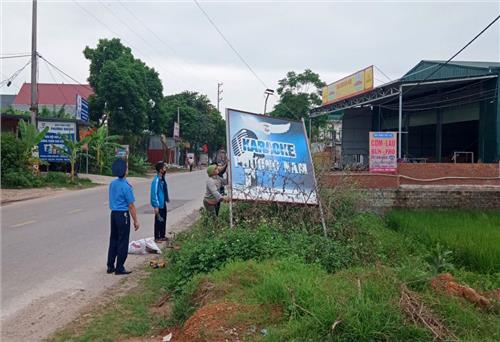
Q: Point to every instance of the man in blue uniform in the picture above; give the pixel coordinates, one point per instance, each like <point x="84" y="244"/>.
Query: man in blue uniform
<point x="121" y="203"/>
<point x="159" y="200"/>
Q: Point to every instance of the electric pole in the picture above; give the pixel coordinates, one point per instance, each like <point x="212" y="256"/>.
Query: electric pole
<point x="34" y="93"/>
<point x="219" y="93"/>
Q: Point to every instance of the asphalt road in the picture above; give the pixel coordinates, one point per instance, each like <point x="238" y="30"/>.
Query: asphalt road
<point x="53" y="250"/>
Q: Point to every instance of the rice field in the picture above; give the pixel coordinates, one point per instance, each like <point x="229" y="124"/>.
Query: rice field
<point x="473" y="236"/>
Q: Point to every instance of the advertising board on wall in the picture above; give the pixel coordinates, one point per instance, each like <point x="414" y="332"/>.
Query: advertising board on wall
<point x="82" y="109"/>
<point x="270" y="159"/>
<point x="383" y="152"/>
<point x="46" y="148"/>
<point x="355" y="84"/>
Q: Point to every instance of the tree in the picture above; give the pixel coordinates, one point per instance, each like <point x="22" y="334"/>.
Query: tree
<point x="299" y="93"/>
<point x="71" y="150"/>
<point x="100" y="142"/>
<point x="126" y="91"/>
<point x="201" y="123"/>
<point x="56" y="114"/>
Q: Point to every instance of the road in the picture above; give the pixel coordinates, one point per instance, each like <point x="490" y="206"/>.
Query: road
<point x="54" y="252"/>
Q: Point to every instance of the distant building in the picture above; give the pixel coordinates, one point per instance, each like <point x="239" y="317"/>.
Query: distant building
<point x="6" y="101"/>
<point x="52" y="96"/>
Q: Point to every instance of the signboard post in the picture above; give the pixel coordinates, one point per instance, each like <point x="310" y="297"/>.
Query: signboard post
<point x="383" y="152"/>
<point x="46" y="148"/>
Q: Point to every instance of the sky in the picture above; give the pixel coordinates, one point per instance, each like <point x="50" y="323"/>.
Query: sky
<point x="332" y="38"/>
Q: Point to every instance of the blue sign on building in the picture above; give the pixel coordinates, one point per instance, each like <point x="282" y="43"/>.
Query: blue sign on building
<point x="47" y="147"/>
<point x="82" y="109"/>
<point x="270" y="159"/>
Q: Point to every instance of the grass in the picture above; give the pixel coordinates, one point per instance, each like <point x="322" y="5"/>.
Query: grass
<point x="473" y="236"/>
<point x="300" y="283"/>
<point x="26" y="180"/>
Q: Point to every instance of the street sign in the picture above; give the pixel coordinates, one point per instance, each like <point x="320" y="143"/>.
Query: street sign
<point x="122" y="151"/>
<point x="270" y="159"/>
<point x="47" y="147"/>
<point x="383" y="152"/>
<point x="176" y="129"/>
<point x="82" y="109"/>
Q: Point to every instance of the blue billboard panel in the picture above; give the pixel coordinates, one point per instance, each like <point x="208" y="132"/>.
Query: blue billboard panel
<point x="82" y="109"/>
<point x="270" y="159"/>
<point x="47" y="147"/>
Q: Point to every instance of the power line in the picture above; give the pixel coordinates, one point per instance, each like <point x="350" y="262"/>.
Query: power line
<point x="55" y="82"/>
<point x="383" y="73"/>
<point x="65" y="74"/>
<point x="455" y="55"/>
<point x="15" y="56"/>
<point x="229" y="44"/>
<point x="14" y="75"/>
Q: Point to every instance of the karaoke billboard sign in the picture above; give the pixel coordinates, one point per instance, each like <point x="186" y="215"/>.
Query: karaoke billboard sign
<point x="270" y="159"/>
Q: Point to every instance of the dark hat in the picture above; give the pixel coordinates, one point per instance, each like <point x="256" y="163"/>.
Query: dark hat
<point x="119" y="168"/>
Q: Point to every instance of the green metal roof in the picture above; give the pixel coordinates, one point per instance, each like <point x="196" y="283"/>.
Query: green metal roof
<point x="454" y="69"/>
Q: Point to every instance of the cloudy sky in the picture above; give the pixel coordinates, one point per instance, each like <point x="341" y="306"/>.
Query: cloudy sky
<point x="333" y="38"/>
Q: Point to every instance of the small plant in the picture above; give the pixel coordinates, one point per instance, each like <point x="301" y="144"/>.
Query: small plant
<point x="71" y="150"/>
<point x="440" y="259"/>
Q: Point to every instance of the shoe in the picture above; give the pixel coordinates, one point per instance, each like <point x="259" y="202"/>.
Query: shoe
<point x="122" y="272"/>
<point x="110" y="270"/>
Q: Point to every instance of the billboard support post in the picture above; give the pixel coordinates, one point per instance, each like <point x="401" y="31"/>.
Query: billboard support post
<point x="321" y="213"/>
<point x="229" y="173"/>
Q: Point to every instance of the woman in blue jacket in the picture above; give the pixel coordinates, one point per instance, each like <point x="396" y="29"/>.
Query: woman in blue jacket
<point x="159" y="200"/>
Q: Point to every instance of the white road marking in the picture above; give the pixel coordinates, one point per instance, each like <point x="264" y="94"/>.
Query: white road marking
<point x="23" y="224"/>
<point x="75" y="211"/>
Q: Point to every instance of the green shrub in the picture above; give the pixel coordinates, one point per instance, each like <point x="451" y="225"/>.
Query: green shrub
<point x="13" y="153"/>
<point x="137" y="165"/>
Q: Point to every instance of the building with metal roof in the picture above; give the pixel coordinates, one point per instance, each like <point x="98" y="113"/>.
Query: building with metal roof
<point x="442" y="111"/>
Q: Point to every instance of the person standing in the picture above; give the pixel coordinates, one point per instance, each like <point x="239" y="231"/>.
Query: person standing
<point x="159" y="200"/>
<point x="121" y="203"/>
<point x="213" y="196"/>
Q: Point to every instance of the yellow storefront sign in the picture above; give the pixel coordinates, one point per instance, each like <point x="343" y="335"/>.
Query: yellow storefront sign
<point x="357" y="83"/>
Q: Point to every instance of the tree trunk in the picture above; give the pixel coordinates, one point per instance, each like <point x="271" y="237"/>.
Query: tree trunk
<point x="72" y="170"/>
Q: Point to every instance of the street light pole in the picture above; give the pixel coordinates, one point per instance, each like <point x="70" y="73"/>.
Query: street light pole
<point x="34" y="93"/>
<point x="219" y="93"/>
<point x="267" y="92"/>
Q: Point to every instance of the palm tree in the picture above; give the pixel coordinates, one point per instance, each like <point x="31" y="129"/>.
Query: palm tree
<point x="100" y="141"/>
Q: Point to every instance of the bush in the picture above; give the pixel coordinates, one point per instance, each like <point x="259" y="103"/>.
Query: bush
<point x="13" y="157"/>
<point x="137" y="165"/>
<point x="204" y="252"/>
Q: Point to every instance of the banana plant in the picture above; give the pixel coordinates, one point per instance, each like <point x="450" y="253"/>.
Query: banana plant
<point x="71" y="150"/>
<point x="100" y="141"/>
<point x="31" y="136"/>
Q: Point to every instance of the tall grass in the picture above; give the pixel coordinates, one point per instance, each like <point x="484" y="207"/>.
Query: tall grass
<point x="473" y="236"/>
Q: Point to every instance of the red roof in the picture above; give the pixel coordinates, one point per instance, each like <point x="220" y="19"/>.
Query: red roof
<point x="53" y="94"/>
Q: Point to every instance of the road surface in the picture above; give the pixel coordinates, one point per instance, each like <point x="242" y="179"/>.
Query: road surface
<point x="54" y="252"/>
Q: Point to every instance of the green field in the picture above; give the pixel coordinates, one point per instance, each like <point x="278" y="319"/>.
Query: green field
<point x="473" y="236"/>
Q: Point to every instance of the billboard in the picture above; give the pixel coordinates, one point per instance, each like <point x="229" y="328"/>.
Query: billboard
<point x="357" y="83"/>
<point x="82" y="109"/>
<point x="383" y="152"/>
<point x="270" y="159"/>
<point x="46" y="148"/>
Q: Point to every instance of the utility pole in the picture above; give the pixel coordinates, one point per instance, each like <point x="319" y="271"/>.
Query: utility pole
<point x="219" y="93"/>
<point x="34" y="93"/>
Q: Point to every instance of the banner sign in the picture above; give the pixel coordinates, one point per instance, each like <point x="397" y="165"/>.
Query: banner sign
<point x="355" y="84"/>
<point x="383" y="152"/>
<point x="82" y="109"/>
<point x="122" y="151"/>
<point x="270" y="159"/>
<point x="176" y="129"/>
<point x="46" y="148"/>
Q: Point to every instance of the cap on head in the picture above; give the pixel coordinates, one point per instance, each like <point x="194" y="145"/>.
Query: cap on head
<point x="159" y="166"/>
<point x="211" y="169"/>
<point x="119" y="168"/>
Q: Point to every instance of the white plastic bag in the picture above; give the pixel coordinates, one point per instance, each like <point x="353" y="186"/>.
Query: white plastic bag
<point x="137" y="247"/>
<point x="151" y="246"/>
<point x="143" y="246"/>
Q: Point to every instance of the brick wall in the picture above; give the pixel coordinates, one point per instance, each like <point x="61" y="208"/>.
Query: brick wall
<point x="439" y="170"/>
<point x="433" y="197"/>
